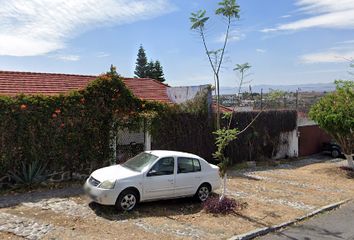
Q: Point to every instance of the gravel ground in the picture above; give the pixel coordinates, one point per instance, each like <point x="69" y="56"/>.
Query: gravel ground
<point x="271" y="192"/>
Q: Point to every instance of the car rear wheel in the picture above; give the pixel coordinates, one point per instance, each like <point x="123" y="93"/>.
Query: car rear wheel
<point x="335" y="153"/>
<point x="127" y="200"/>
<point x="202" y="193"/>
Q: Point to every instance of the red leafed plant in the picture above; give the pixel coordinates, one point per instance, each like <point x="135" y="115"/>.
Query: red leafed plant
<point x="225" y="206"/>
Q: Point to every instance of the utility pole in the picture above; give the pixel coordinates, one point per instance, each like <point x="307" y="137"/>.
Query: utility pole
<point x="261" y="98"/>
<point x="297" y="99"/>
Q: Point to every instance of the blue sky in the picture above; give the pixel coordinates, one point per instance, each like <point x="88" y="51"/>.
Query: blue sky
<point x="285" y="41"/>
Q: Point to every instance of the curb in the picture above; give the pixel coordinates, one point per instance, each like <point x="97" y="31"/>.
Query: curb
<point x="262" y="231"/>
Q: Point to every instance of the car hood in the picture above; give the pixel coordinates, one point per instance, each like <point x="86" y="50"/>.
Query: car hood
<point x="113" y="172"/>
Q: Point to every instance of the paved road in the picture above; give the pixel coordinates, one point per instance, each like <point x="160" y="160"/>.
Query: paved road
<point x="335" y="225"/>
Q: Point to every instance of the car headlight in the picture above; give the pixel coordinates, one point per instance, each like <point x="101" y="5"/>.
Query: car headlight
<point x="108" y="184"/>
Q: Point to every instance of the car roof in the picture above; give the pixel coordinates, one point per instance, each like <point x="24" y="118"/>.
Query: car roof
<point x="167" y="153"/>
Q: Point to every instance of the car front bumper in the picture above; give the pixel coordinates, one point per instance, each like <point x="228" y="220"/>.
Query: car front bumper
<point x="100" y="195"/>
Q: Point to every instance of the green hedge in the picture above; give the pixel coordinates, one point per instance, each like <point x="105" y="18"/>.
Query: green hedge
<point x="193" y="132"/>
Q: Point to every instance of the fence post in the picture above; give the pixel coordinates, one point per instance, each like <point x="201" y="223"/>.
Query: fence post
<point x="113" y="143"/>
<point x="147" y="140"/>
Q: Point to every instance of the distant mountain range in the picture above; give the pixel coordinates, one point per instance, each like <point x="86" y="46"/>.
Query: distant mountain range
<point x="311" y="87"/>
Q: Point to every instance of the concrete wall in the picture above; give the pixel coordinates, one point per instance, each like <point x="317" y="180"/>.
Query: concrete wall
<point x="288" y="146"/>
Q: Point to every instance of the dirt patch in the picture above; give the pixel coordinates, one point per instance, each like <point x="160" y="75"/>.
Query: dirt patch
<point x="273" y="197"/>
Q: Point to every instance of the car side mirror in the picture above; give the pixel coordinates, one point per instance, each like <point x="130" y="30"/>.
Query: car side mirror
<point x="152" y="173"/>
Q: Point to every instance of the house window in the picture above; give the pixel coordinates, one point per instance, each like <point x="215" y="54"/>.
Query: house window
<point x="187" y="165"/>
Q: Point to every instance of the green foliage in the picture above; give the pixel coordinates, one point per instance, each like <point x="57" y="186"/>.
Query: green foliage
<point x="229" y="9"/>
<point x="30" y="174"/>
<point x="198" y="19"/>
<point x="154" y="71"/>
<point x="69" y="131"/>
<point x="141" y="63"/>
<point x="335" y="114"/>
<point x="223" y="138"/>
<point x="145" y="69"/>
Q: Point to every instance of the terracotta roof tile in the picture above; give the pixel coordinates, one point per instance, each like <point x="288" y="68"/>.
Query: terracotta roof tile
<point x="222" y="108"/>
<point x="12" y="83"/>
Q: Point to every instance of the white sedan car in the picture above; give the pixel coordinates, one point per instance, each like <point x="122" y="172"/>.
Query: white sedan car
<point x="153" y="175"/>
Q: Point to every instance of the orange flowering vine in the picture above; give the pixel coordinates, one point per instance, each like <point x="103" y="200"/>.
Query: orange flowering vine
<point x="143" y="105"/>
<point x="132" y="112"/>
<point x="83" y="100"/>
<point x="23" y="106"/>
<point x="63" y="125"/>
<point x="54" y="115"/>
<point x="113" y="99"/>
<point x="58" y="111"/>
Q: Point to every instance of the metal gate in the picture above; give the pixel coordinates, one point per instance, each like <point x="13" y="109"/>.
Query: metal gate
<point x="311" y="139"/>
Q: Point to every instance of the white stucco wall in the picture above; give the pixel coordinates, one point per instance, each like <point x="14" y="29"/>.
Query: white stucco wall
<point x="289" y="145"/>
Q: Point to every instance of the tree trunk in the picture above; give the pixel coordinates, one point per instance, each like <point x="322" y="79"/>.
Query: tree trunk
<point x="224" y="189"/>
<point x="350" y="160"/>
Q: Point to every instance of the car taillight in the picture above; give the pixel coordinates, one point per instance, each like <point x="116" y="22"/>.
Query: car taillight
<point x="219" y="172"/>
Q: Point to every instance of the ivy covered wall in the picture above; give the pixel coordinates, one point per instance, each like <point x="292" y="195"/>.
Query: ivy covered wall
<point x="192" y="132"/>
<point x="69" y="131"/>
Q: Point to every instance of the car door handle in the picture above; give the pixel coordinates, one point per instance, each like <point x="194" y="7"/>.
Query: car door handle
<point x="197" y="177"/>
<point x="170" y="180"/>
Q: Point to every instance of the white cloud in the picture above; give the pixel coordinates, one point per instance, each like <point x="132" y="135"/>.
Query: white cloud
<point x="102" y="54"/>
<point x="261" y="50"/>
<point x="342" y="52"/>
<point x="327" y="57"/>
<point x="322" y="14"/>
<point x="234" y="35"/>
<point x="68" y="57"/>
<point x="37" y="27"/>
<point x="320" y="71"/>
<point x="286" y="16"/>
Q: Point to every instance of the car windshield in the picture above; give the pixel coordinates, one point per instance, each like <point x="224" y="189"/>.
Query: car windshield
<point x="140" y="161"/>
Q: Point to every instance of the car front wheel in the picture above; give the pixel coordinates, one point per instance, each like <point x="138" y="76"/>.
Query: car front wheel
<point x="127" y="200"/>
<point x="202" y="193"/>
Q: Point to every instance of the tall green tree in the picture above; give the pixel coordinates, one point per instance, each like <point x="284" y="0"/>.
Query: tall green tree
<point x="158" y="72"/>
<point x="229" y="11"/>
<point x="145" y="69"/>
<point x="335" y="114"/>
<point x="141" y="63"/>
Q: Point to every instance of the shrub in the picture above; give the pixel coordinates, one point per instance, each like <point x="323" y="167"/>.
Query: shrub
<point x="225" y="206"/>
<point x="30" y="174"/>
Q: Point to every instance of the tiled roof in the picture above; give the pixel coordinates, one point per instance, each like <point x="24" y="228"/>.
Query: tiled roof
<point x="222" y="108"/>
<point x="12" y="83"/>
<point x="148" y="88"/>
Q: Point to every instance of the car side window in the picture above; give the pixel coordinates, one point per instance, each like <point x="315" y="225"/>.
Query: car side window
<point x="165" y="166"/>
<point x="187" y="165"/>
